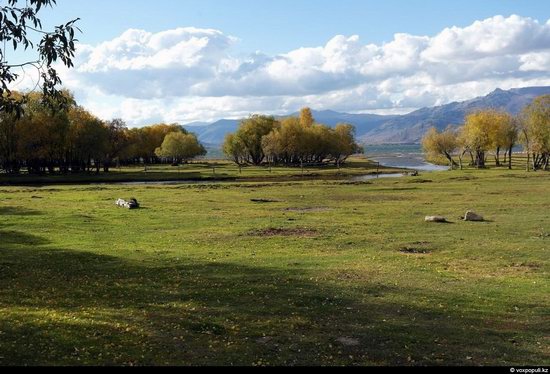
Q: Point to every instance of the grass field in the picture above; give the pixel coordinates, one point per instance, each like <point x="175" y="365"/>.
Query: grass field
<point x="328" y="272"/>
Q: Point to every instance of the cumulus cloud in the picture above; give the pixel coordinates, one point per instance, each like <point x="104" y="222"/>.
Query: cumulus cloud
<point x="189" y="74"/>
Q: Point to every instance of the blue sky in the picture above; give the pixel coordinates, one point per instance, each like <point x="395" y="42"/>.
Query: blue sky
<point x="202" y="60"/>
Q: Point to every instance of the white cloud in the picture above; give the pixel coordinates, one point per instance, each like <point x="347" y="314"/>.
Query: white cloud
<point x="496" y="36"/>
<point x="189" y="74"/>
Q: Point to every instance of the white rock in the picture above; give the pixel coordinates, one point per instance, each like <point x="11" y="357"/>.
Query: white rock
<point x="435" y="219"/>
<point x="473" y="217"/>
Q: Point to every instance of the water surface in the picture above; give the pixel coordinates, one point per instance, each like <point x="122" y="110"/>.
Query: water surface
<point x="408" y="156"/>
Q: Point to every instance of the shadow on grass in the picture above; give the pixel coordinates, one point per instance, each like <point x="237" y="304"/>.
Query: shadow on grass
<point x="72" y="307"/>
<point x="18" y="211"/>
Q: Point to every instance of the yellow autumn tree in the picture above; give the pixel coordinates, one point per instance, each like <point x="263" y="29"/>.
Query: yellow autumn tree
<point x="535" y="131"/>
<point x="441" y="143"/>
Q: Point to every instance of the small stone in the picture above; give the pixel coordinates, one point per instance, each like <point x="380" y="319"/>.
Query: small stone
<point x="473" y="217"/>
<point x="435" y="219"/>
<point x="350" y="342"/>
<point x="264" y="340"/>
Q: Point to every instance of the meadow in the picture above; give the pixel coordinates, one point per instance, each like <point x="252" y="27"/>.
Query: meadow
<point x="278" y="270"/>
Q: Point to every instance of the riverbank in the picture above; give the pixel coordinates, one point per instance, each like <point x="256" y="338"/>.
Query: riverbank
<point x="208" y="171"/>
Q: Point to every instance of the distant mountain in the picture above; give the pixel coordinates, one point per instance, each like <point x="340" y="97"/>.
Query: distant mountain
<point x="394" y="129"/>
<point x="410" y="128"/>
<point x="214" y="133"/>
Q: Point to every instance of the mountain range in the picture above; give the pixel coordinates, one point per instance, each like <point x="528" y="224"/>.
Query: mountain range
<point x="393" y="129"/>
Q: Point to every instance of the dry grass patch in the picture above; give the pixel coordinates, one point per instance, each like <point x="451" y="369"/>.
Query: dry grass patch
<point x="271" y="232"/>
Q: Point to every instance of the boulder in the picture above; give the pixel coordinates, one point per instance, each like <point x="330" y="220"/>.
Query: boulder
<point x="473" y="217"/>
<point x="435" y="219"/>
<point x="132" y="204"/>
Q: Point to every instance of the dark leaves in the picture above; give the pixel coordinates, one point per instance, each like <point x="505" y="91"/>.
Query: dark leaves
<point x="18" y="25"/>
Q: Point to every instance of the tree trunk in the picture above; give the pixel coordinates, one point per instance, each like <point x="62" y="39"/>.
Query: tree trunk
<point x="510" y="158"/>
<point x="480" y="159"/>
<point x="450" y="159"/>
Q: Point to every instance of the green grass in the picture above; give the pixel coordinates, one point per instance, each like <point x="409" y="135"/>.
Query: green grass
<point x="203" y="275"/>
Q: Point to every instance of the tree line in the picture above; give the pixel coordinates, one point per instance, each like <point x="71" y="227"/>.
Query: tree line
<point x="50" y="136"/>
<point x="290" y="141"/>
<point x="497" y="132"/>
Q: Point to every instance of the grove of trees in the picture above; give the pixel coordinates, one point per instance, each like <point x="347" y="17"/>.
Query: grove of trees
<point x="290" y="141"/>
<point x="497" y="132"/>
<point x="50" y="137"/>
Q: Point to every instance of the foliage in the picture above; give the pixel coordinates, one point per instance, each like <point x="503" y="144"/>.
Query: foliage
<point x="180" y="146"/>
<point x="443" y="143"/>
<point x="21" y="27"/>
<point x="291" y="141"/>
<point x="535" y="132"/>
<point x="486" y="130"/>
<point x="248" y="139"/>
<point x="59" y="136"/>
<point x="235" y="149"/>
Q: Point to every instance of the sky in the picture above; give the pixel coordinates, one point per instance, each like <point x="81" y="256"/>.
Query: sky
<point x="191" y="60"/>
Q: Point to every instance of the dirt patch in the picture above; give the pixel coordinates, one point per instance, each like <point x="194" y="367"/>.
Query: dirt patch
<point x="271" y="232"/>
<point x="307" y="210"/>
<point x="525" y="267"/>
<point x="416" y="248"/>
<point x="265" y="201"/>
<point x="463" y="178"/>
<point x="371" y="197"/>
<point x="353" y="183"/>
<point x="420" y="181"/>
<point x="267" y="184"/>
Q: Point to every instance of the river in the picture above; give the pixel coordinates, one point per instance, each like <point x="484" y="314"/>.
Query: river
<point x="409" y="156"/>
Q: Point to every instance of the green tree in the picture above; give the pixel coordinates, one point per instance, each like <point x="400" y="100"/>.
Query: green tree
<point x="42" y="132"/>
<point x="9" y="158"/>
<point x="88" y="140"/>
<point x="117" y="141"/>
<point x="249" y="136"/>
<point x="180" y="147"/>
<point x="235" y="149"/>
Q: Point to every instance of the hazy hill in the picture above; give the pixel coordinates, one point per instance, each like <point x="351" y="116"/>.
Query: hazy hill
<point x="408" y="128"/>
